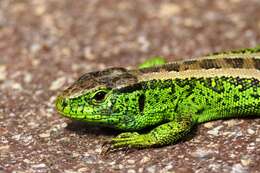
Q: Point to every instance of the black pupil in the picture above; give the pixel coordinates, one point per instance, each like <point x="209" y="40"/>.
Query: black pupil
<point x="100" y="96"/>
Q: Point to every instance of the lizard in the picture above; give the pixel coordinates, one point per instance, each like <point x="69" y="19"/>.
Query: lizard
<point x="169" y="99"/>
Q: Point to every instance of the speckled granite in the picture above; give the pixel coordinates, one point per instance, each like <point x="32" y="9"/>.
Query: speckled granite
<point x="46" y="44"/>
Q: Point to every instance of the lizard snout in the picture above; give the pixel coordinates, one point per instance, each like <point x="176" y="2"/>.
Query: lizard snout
<point x="60" y="103"/>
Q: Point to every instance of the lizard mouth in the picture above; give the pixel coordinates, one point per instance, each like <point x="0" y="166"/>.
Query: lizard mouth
<point x="63" y="106"/>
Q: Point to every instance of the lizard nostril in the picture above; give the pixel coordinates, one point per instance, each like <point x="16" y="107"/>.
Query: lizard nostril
<point x="64" y="102"/>
<point x="61" y="103"/>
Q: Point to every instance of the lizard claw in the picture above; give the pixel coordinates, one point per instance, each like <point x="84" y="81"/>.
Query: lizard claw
<point x="120" y="143"/>
<point x="108" y="148"/>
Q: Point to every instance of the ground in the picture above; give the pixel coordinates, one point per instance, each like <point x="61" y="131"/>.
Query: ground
<point x="46" y="44"/>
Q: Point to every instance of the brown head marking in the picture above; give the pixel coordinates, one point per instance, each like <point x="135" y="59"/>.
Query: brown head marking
<point x="109" y="78"/>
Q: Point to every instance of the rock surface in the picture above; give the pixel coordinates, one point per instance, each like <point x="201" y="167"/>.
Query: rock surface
<point x="46" y="44"/>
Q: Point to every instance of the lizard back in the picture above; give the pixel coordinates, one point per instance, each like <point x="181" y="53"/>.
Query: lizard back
<point x="212" y="87"/>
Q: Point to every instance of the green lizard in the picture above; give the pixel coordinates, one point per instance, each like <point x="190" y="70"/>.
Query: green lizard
<point x="170" y="99"/>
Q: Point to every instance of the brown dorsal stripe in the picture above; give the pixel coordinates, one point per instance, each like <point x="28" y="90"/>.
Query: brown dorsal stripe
<point x="210" y="63"/>
<point x="172" y="67"/>
<point x="236" y="62"/>
<point x="256" y="63"/>
<point x="201" y="73"/>
<point x="244" y="66"/>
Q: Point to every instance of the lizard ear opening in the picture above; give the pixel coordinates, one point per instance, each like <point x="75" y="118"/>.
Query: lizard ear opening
<point x="141" y="102"/>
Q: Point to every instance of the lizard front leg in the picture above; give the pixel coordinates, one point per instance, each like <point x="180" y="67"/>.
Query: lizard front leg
<point x="164" y="134"/>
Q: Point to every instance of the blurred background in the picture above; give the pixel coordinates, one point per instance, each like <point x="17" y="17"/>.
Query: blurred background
<point x="46" y="44"/>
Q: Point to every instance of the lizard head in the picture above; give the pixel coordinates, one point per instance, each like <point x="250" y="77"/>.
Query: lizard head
<point x="102" y="98"/>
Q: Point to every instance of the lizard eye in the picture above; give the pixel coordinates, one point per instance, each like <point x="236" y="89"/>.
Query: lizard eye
<point x="99" y="96"/>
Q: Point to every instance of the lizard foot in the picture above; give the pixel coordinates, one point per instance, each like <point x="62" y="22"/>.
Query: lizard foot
<point x="126" y="141"/>
<point x="131" y="140"/>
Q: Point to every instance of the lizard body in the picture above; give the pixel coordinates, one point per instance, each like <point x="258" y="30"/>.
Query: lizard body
<point x="170" y="98"/>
